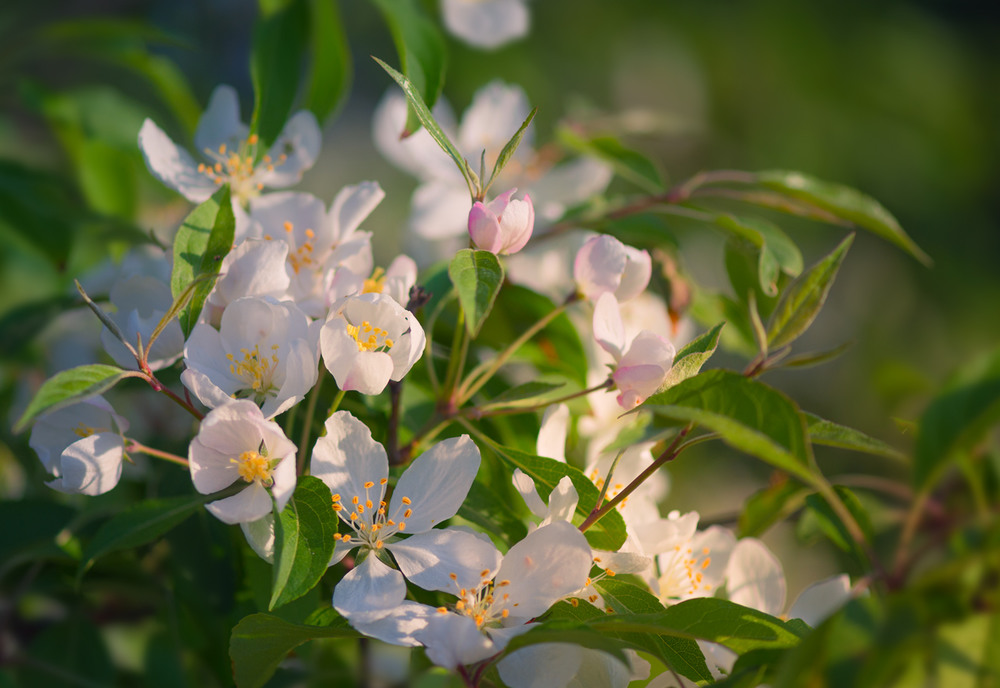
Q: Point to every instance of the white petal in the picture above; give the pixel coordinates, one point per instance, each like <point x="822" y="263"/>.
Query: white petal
<point x="369" y="591"/>
<point x="608" y="328"/>
<point x="638" y="270"/>
<point x="436" y="483"/>
<point x="428" y="559"/>
<point x="622" y="562"/>
<point x="821" y="599"/>
<point x="496" y="113"/>
<point x="552" y="434"/>
<point x="548" y="665"/>
<point x="220" y="123"/>
<point x="525" y="486"/>
<point x="248" y="505"/>
<point x="562" y="500"/>
<point x="346" y="457"/>
<point x="300" y="141"/>
<point x="755" y="578"/>
<point x="90" y="466"/>
<point x="417" y="154"/>
<point x="486" y="23"/>
<point x="452" y="641"/>
<point x="173" y="165"/>
<point x="352" y="205"/>
<point x="260" y="536"/>
<point x="599" y="265"/>
<point x="401" y="626"/>
<point x="410" y="348"/>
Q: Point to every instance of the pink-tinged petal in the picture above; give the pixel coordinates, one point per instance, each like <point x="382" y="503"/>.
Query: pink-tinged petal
<point x="369" y="591"/>
<point x="451" y="641"/>
<point x="346" y="457"/>
<point x="551" y="441"/>
<point x="90" y="466"/>
<point x="401" y="626"/>
<point x="173" y="165"/>
<point x="429" y="559"/>
<point x="352" y="205"/>
<point x="635" y="277"/>
<point x="821" y="599"/>
<point x="300" y="142"/>
<point x="250" y="504"/>
<point x="436" y="483"/>
<point x="754" y="577"/>
<point x="637" y="383"/>
<point x="547" y="565"/>
<point x="486" y="24"/>
<point x="525" y="487"/>
<point x="516" y="225"/>
<point x="649" y="348"/>
<point x="548" y="665"/>
<point x="609" y="331"/>
<point x="484" y="228"/>
<point x="220" y="123"/>
<point x="499" y="204"/>
<point x="599" y="265"/>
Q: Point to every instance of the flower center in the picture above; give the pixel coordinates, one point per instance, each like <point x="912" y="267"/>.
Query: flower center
<point x="682" y="574"/>
<point x="374" y="284"/>
<point x="256" y="370"/>
<point x="479" y="603"/>
<point x="236" y="167"/>
<point x="369" y="337"/>
<point x="613" y="490"/>
<point x="371" y="524"/>
<point x="253" y="467"/>
<point x="82" y="430"/>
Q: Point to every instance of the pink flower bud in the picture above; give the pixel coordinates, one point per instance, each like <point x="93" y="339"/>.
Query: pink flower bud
<point x="502" y="226"/>
<point x="606" y="265"/>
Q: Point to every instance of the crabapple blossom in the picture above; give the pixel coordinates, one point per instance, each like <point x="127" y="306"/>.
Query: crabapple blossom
<point x="430" y="491"/>
<point x="639" y="370"/>
<point x="486" y="24"/>
<point x="502" y="226"/>
<point x="140" y="303"/>
<point x="263" y="350"/>
<point x="368" y="340"/>
<point x="396" y="281"/>
<point x="255" y="267"/>
<point x="606" y="265"/>
<point x="236" y="442"/>
<point x="564" y="665"/>
<point x="81" y="446"/>
<point x="230" y="153"/>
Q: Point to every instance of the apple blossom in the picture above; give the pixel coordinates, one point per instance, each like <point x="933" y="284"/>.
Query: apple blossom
<point x="81" y="446"/>
<point x="396" y="281"/>
<point x="263" y="350"/>
<point x="255" y="267"/>
<point x="639" y="370"/>
<point x="486" y="24"/>
<point x="430" y="491"/>
<point x="230" y="153"/>
<point x="502" y="226"/>
<point x="368" y="340"/>
<point x="604" y="264"/>
<point x="235" y="442"/>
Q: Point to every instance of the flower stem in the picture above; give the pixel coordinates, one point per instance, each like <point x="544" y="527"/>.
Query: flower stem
<point x="132" y="445"/>
<point x="456" y="363"/>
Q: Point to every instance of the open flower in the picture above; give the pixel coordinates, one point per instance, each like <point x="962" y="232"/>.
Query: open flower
<point x="430" y="491"/>
<point x="230" y="152"/>
<point x="369" y="340"/>
<point x="263" y="350"/>
<point x="486" y="24"/>
<point x="254" y="267"/>
<point x="502" y="226"/>
<point x="81" y="446"/>
<point x="236" y="443"/>
<point x="605" y="265"/>
<point x="641" y="369"/>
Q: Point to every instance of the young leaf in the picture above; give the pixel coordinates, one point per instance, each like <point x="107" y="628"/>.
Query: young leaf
<point x="747" y="415"/>
<point x="844" y="202"/>
<point x="423" y="114"/>
<point x="834" y="435"/>
<point x="803" y="299"/>
<point x="693" y="355"/>
<point x="508" y="150"/>
<point x="628" y="164"/>
<point x="769" y="505"/>
<point x="833" y="527"/>
<point x="772" y="251"/>
<point x="523" y="395"/>
<point x="303" y="541"/>
<point x="70" y="386"/>
<point x="330" y="67"/>
<point x="279" y="41"/>
<point x="477" y="276"/>
<point x="199" y="247"/>
<point x="261" y="641"/>
<point x="421" y="52"/>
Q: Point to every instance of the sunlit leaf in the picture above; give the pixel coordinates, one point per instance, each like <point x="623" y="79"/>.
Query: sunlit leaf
<point x="477" y="276"/>
<point x="303" y="541"/>
<point x="693" y="355"/>
<point x="70" y="386"/>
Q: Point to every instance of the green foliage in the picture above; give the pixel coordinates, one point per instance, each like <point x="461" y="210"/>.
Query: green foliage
<point x="279" y="42"/>
<point x="774" y="252"/>
<point x="770" y="505"/>
<point x="202" y="242"/>
<point x="330" y="68"/>
<point x="629" y="164"/>
<point x="833" y="527"/>
<point x="693" y="355"/>
<point x="834" y="435"/>
<point x="69" y="387"/>
<point x="477" y="276"/>
<point x="508" y="150"/>
<point x="303" y="541"/>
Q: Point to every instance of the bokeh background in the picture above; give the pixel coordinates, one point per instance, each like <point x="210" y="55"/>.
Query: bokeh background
<point x="898" y="99"/>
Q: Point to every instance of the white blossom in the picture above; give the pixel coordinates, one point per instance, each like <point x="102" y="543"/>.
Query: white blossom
<point x="486" y="24"/>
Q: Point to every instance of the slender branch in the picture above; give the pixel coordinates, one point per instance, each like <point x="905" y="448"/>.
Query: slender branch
<point x="158" y="386"/>
<point x="910" y="525"/>
<point x="132" y="445"/>
<point x="486" y="412"/>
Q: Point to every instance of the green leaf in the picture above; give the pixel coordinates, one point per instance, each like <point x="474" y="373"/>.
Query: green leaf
<point x="680" y="654"/>
<point x="608" y="533"/>
<point x="107" y="178"/>
<point x="201" y="243"/>
<point x="628" y="164"/>
<point x="279" y="41"/>
<point x="693" y="355"/>
<point x="139" y="524"/>
<point x="477" y="276"/>
<point x="834" y="528"/>
<point x="509" y="149"/>
<point x="260" y="642"/>
<point x="803" y="299"/>
<point x="330" y="68"/>
<point x="21" y="324"/>
<point x="524" y="394"/>
<point x="833" y="435"/>
<point x="814" y="358"/>
<point x="564" y="631"/>
<point x="844" y="202"/>
<point x="746" y="414"/>
<point x="70" y="386"/>
<point x="774" y="251"/>
<point x="303" y="541"/>
<point x="770" y="505"/>
<point x="486" y="509"/>
<point x="38" y="208"/>
<point x="421" y="53"/>
<point x="957" y="418"/>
